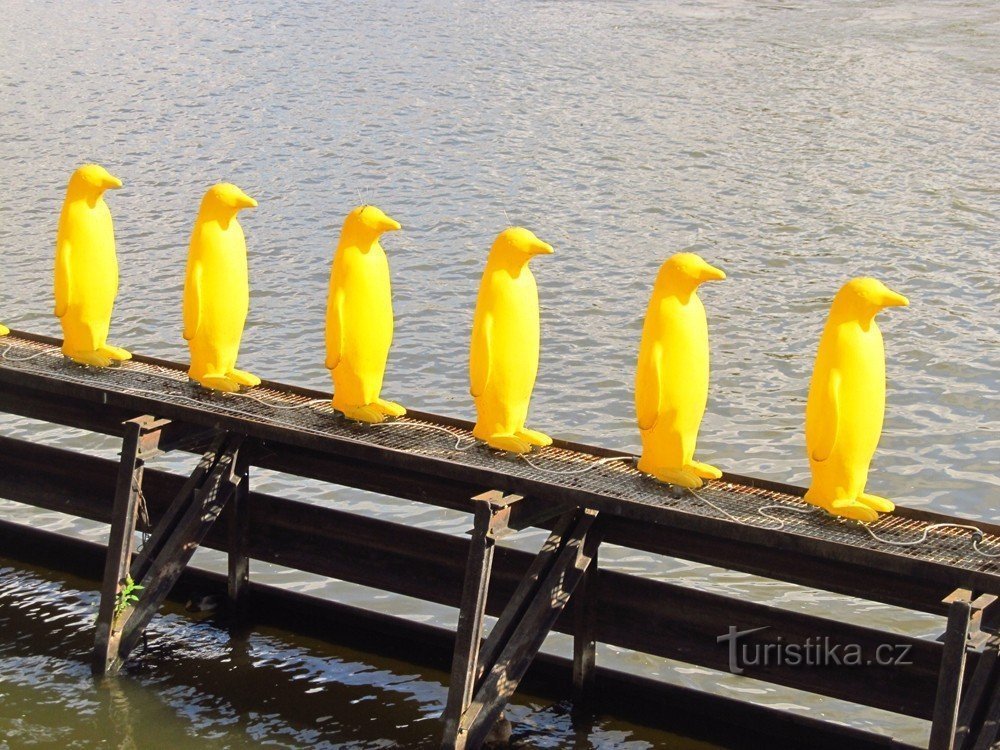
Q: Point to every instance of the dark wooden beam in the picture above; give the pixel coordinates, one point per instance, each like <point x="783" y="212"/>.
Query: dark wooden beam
<point x="650" y="616"/>
<point x="873" y="583"/>
<point x="827" y="554"/>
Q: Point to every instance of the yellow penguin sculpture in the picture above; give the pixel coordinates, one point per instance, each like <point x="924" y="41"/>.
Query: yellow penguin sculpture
<point x="359" y="317"/>
<point x="86" y="272"/>
<point x="847" y="402"/>
<point x="503" y="360"/>
<point x="4" y="330"/>
<point x="671" y="382"/>
<point x="217" y="290"/>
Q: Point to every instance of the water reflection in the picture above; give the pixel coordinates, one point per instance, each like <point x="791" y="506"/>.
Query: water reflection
<point x="195" y="686"/>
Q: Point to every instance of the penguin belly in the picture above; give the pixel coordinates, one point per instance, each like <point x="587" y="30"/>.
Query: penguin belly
<point x="224" y="303"/>
<point x="93" y="277"/>
<point x="683" y="387"/>
<point x="512" y="304"/>
<point x="859" y="359"/>
<point x="366" y="326"/>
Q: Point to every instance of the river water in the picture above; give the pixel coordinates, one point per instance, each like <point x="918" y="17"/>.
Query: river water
<point x="793" y="144"/>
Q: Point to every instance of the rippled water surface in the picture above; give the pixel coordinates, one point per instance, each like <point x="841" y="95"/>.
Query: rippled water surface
<point x="793" y="144"/>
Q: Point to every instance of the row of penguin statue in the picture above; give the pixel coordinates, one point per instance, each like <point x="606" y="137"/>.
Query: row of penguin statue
<point x="846" y="396"/>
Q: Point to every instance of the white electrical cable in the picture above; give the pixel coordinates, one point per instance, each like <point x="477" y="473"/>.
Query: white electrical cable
<point x="572" y="472"/>
<point x="977" y="533"/>
<point x="977" y="536"/>
<point x="6" y="351"/>
<point x="438" y="428"/>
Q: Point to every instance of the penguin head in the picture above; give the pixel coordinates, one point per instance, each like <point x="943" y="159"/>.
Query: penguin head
<point x="93" y="180"/>
<point x="369" y="221"/>
<point x="520" y="245"/>
<point x="225" y="196"/>
<point x="863" y="297"/>
<point x="685" y="271"/>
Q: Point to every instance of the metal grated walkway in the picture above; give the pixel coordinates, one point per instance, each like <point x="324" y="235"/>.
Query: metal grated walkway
<point x="570" y="469"/>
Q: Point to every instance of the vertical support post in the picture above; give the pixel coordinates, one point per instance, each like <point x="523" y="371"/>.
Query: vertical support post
<point x="121" y="543"/>
<point x="239" y="542"/>
<point x="949" y="689"/>
<point x="469" y="633"/>
<point x="585" y="641"/>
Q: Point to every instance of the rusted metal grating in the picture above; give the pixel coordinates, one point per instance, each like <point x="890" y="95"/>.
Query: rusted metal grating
<point x="723" y="500"/>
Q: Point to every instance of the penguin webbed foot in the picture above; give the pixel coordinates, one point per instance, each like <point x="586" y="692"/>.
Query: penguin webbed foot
<point x="533" y="437"/>
<point x="844" y="508"/>
<point x="115" y="353"/>
<point x="511" y="443"/>
<point x="219" y="383"/>
<point x="4" y="330"/>
<point x="705" y="471"/>
<point x="388" y="408"/>
<point x="91" y="359"/>
<point x="876" y="503"/>
<point x="367" y="413"/>
<point x="242" y="377"/>
<point x="680" y="477"/>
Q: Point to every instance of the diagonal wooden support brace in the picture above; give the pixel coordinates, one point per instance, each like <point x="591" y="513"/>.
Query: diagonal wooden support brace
<point x="986" y="733"/>
<point x="478" y="694"/>
<point x="979" y="713"/>
<point x="163" y="558"/>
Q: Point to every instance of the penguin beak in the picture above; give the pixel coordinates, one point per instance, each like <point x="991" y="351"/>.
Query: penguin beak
<point x="711" y="273"/>
<point x="244" y="201"/>
<point x="111" y="182"/>
<point x="541" y="248"/>
<point x="389" y="225"/>
<point x="893" y="299"/>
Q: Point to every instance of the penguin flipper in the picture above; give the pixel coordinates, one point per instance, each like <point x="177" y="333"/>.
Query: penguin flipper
<point x="192" y="300"/>
<point x="334" y="328"/>
<point x="824" y="435"/>
<point x="479" y="358"/>
<point x="647" y="389"/>
<point x="62" y="278"/>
